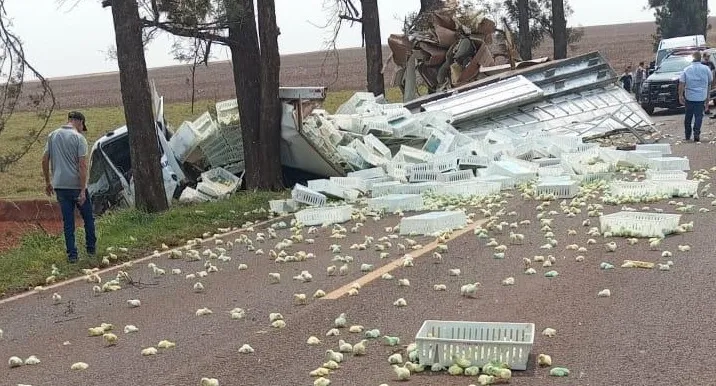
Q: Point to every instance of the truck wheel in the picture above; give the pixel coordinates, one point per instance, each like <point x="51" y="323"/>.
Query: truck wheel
<point x="648" y="108"/>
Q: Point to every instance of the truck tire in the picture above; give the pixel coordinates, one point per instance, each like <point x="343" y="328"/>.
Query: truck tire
<point x="648" y="108"/>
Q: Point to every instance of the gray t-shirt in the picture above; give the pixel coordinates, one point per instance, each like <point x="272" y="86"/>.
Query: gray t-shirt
<point x="65" y="147"/>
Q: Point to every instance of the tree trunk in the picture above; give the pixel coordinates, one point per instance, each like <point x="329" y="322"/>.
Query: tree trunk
<point x="246" y="65"/>
<point x="271" y="112"/>
<point x="559" y="24"/>
<point x="149" y="193"/>
<point x="373" y="46"/>
<point x="523" y="12"/>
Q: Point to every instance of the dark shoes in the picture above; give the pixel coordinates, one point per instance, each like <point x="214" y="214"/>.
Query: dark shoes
<point x="72" y="259"/>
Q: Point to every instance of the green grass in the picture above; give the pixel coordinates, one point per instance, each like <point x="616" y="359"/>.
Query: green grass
<point x="24" y="179"/>
<point x="30" y="263"/>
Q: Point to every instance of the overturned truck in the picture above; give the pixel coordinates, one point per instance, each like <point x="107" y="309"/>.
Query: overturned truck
<point x="471" y="126"/>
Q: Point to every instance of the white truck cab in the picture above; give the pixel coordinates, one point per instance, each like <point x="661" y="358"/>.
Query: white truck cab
<point x="666" y="46"/>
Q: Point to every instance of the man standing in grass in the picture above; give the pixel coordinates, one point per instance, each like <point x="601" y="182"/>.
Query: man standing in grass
<point x="66" y="153"/>
<point x="694" y="85"/>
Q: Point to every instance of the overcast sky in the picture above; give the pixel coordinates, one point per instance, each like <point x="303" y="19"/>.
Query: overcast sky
<point x="66" y="40"/>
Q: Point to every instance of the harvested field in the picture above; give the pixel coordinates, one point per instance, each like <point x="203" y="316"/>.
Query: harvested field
<point x="622" y="44"/>
<point x="653" y="317"/>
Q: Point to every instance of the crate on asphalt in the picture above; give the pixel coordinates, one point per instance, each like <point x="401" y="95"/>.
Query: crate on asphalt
<point x="433" y="222"/>
<point x="469" y="188"/>
<point x="663" y="148"/>
<point x="479" y="342"/>
<point x="283" y="206"/>
<point x="560" y="188"/>
<point x="668" y="175"/>
<point x="639" y="224"/>
<point x="384" y="188"/>
<point x="324" y="215"/>
<point x="307" y="196"/>
<point x="394" y="202"/>
<point x="669" y="163"/>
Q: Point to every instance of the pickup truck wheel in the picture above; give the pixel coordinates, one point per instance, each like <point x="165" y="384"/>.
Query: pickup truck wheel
<point x="648" y="108"/>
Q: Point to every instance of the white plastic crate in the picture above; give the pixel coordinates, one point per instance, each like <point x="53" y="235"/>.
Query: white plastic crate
<point x="433" y="222"/>
<point x="639" y="224"/>
<point x="204" y="126"/>
<point x="635" y="189"/>
<point x="384" y="188"/>
<point x="327" y="187"/>
<point x="670" y="175"/>
<point x="368" y="173"/>
<point x="325" y="215"/>
<point x="283" y="206"/>
<point x="478" y="342"/>
<point x="350" y="183"/>
<point x="469" y="188"/>
<point x="462" y="175"/>
<point x="417" y="188"/>
<point x="679" y="188"/>
<point x="307" y="196"/>
<point x="218" y="182"/>
<point x="475" y="160"/>
<point x="591" y="177"/>
<point x="423" y="176"/>
<point x="552" y="170"/>
<point x="394" y="202"/>
<point x="669" y="163"/>
<point x="544" y="162"/>
<point x="379" y="147"/>
<point x="184" y="141"/>
<point x="505" y="181"/>
<point x="560" y="189"/>
<point x="397" y="170"/>
<point x="227" y="111"/>
<point x="663" y="148"/>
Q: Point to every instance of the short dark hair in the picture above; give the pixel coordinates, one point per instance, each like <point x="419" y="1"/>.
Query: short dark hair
<point x="641" y="63"/>
<point x="78" y="116"/>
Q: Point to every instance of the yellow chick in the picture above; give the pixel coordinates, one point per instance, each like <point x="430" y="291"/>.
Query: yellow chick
<point x="165" y="344"/>
<point x="79" y="366"/>
<point x="209" y="382"/>
<point x="544" y="360"/>
<point x="149" y="351"/>
<point x="246" y="349"/>
<point x="110" y="338"/>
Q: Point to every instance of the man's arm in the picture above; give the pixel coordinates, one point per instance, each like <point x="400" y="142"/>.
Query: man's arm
<point x="46" y="168"/>
<point x="681" y="93"/>
<point x="82" y="164"/>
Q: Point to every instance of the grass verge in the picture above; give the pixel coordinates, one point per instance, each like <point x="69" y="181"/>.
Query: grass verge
<point x="30" y="264"/>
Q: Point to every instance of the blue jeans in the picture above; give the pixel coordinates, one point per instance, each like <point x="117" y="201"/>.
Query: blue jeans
<point x="693" y="110"/>
<point x="68" y="202"/>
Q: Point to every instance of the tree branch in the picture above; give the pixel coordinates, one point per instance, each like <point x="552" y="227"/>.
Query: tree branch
<point x="185" y="31"/>
<point x="350" y="18"/>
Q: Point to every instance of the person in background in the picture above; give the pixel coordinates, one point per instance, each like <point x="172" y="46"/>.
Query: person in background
<point x="639" y="78"/>
<point x="706" y="59"/>
<point x="694" y="85"/>
<point x="627" y="79"/>
<point x="66" y="156"/>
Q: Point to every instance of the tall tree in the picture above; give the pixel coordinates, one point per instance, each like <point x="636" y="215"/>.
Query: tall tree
<point x="369" y="18"/>
<point x="144" y="151"/>
<point x="679" y="18"/>
<point x="232" y="23"/>
<point x="525" y="39"/>
<point x="559" y="29"/>
<point x="373" y="47"/>
<point x="540" y="21"/>
<point x="270" y="135"/>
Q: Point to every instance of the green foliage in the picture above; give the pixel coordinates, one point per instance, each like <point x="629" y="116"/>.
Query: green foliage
<point x="540" y="12"/>
<point x="679" y="18"/>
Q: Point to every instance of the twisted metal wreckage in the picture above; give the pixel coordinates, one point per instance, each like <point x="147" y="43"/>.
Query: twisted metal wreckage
<point x="477" y="113"/>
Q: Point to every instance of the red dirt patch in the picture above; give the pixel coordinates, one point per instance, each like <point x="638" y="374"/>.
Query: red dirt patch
<point x="11" y="232"/>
